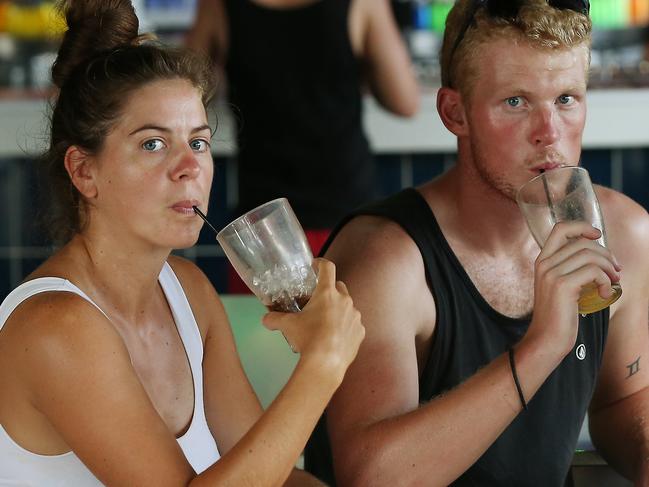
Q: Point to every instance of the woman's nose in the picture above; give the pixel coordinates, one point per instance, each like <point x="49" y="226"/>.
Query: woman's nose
<point x="187" y="166"/>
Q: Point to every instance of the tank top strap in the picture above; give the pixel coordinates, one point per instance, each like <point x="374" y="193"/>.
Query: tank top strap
<point x="182" y="313"/>
<point x="197" y="443"/>
<point x="36" y="286"/>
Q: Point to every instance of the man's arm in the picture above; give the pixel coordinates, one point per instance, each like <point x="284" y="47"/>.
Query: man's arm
<point x="619" y="413"/>
<point x="380" y="434"/>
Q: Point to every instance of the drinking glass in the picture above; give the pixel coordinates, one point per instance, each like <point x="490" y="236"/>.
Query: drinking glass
<point x="565" y="194"/>
<point x="268" y="249"/>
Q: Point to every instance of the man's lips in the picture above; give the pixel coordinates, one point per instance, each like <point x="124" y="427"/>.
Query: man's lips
<point x="547" y="166"/>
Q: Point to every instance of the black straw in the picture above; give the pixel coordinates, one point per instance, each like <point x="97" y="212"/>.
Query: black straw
<point x="200" y="213"/>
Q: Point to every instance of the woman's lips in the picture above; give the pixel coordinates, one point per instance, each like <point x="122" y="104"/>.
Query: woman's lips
<point x="185" y="207"/>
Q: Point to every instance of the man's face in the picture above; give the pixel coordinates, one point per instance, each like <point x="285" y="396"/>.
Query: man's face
<point x="526" y="112"/>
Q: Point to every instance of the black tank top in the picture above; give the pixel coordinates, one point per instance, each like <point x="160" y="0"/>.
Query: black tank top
<point x="294" y="84"/>
<point x="536" y="449"/>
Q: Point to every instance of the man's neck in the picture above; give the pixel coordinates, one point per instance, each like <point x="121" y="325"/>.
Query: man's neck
<point x="489" y="237"/>
<point x="468" y="208"/>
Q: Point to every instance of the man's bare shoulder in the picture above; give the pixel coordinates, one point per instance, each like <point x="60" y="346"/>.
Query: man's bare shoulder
<point x="384" y="271"/>
<point x="627" y="222"/>
<point x="618" y="203"/>
<point x="374" y="239"/>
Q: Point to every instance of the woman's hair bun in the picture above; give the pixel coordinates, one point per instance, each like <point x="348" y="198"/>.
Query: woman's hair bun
<point x="93" y="26"/>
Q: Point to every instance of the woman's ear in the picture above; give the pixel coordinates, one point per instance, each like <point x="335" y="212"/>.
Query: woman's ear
<point x="78" y="164"/>
<point x="450" y="107"/>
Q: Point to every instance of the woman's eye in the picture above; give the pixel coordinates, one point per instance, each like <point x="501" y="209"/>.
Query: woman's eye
<point x="153" y="145"/>
<point x="565" y="99"/>
<point x="199" y="145"/>
<point x="514" y="101"/>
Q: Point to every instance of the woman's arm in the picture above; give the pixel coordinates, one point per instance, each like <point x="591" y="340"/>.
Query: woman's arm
<point x="262" y="447"/>
<point x="77" y="375"/>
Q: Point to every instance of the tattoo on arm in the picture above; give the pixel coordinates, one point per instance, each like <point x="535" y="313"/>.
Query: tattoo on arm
<point x="633" y="367"/>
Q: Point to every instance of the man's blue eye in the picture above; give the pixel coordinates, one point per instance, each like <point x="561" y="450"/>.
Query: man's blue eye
<point x="514" y="101"/>
<point x="565" y="99"/>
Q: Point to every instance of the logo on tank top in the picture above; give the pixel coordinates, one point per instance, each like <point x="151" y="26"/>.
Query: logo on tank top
<point x="581" y="352"/>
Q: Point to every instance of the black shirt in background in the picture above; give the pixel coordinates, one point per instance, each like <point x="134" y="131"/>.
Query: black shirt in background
<point x="294" y="84"/>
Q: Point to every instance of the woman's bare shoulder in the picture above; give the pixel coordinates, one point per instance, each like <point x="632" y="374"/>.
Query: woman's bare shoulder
<point x="51" y="339"/>
<point x="55" y="323"/>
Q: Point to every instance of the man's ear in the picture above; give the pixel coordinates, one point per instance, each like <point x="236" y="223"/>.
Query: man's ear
<point x="78" y="164"/>
<point x="450" y="107"/>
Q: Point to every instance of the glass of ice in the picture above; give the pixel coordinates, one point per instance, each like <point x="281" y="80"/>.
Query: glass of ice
<point x="269" y="251"/>
<point x="565" y="194"/>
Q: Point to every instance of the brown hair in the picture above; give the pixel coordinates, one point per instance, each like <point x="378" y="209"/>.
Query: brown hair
<point x="537" y="23"/>
<point x="101" y="61"/>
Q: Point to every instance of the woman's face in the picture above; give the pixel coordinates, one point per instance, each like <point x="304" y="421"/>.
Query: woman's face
<point x="154" y="166"/>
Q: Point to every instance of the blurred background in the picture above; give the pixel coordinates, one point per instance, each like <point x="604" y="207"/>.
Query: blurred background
<point x="407" y="151"/>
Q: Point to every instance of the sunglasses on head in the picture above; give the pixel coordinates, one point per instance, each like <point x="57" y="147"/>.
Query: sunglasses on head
<point x="508" y="9"/>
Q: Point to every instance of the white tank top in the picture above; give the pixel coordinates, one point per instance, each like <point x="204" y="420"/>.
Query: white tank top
<point x="19" y="467"/>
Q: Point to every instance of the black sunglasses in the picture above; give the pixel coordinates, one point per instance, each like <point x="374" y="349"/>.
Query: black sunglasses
<point x="508" y="9"/>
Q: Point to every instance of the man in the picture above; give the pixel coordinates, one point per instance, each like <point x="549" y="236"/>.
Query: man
<point x="448" y="280"/>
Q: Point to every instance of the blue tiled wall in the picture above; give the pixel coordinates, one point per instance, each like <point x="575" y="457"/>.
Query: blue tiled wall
<point x="23" y="246"/>
<point x="636" y="175"/>
<point x="598" y="163"/>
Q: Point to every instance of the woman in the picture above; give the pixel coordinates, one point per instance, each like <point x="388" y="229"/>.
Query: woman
<point x="117" y="363"/>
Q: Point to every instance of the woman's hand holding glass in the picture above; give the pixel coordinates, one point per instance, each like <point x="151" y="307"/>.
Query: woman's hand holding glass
<point x="329" y="328"/>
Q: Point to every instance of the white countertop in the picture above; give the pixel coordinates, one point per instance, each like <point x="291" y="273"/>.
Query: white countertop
<point x="617" y="118"/>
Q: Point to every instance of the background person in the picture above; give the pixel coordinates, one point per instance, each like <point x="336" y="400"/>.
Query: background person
<point x="296" y="71"/>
